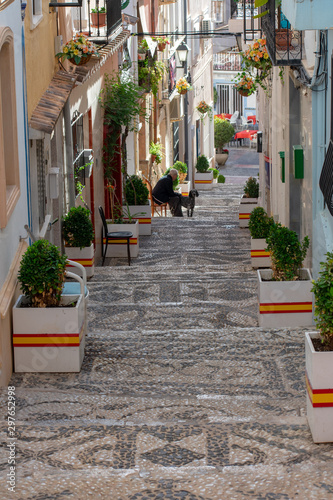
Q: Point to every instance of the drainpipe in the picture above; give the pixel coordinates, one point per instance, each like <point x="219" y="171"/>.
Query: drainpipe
<point x="70" y="197"/>
<point x="186" y="135"/>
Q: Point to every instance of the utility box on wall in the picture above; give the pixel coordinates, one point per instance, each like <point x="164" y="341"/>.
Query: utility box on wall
<point x="298" y="162"/>
<point x="283" y="166"/>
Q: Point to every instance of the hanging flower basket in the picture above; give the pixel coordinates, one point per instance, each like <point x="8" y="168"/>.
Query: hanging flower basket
<point x="78" y="50"/>
<point x="83" y="60"/>
<point x="142" y="56"/>
<point x="245" y="93"/>
<point x="161" y="41"/>
<point x="182" y="86"/>
<point x="161" y="46"/>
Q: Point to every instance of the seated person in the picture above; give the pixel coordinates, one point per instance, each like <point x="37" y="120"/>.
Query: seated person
<point x="163" y="193"/>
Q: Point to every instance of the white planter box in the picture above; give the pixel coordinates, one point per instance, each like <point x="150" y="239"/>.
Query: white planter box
<point x="284" y="303"/>
<point x="245" y="208"/>
<point x="204" y="181"/>
<point x="118" y="248"/>
<point x="141" y="213"/>
<point x="319" y="383"/>
<point x="85" y="257"/>
<point x="259" y="256"/>
<point x="50" y="339"/>
<point x="185" y="187"/>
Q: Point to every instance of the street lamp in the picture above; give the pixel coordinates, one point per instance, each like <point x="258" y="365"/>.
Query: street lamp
<point x="182" y="51"/>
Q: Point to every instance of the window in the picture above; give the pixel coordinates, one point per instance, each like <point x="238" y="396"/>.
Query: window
<point x="78" y="152"/>
<point x="9" y="163"/>
<point x="36" y="13"/>
<point x="41" y="181"/>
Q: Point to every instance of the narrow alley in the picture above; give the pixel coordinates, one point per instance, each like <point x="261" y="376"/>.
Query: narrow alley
<point x="181" y="394"/>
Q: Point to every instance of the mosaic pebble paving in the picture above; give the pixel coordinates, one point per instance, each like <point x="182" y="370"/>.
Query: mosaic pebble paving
<point x="181" y="394"/>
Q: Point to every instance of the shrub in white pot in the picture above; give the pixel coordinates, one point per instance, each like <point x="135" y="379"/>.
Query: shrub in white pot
<point x="249" y="201"/>
<point x="223" y="133"/>
<point x="48" y="327"/>
<point x="319" y="357"/>
<point x="78" y="234"/>
<point x="136" y="196"/>
<point x="260" y="226"/>
<point x="203" y="176"/>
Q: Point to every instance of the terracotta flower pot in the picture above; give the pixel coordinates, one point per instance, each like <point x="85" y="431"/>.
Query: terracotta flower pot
<point x="161" y="46"/>
<point x="244" y="92"/>
<point x="98" y="19"/>
<point x="283" y="39"/>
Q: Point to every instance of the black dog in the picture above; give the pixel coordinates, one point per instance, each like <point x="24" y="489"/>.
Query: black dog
<point x="188" y="202"/>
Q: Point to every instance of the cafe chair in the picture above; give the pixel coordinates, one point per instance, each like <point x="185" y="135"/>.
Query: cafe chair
<point x="155" y="207"/>
<point x="114" y="235"/>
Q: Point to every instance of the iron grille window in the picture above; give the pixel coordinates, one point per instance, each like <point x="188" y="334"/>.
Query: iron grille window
<point x="41" y="181"/>
<point x="229" y="100"/>
<point x="326" y="178"/>
<point x="78" y="147"/>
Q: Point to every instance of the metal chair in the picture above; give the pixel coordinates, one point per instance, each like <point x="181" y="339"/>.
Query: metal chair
<point x="114" y="235"/>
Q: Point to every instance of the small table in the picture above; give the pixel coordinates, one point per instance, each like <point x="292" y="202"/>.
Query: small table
<point x="245" y="134"/>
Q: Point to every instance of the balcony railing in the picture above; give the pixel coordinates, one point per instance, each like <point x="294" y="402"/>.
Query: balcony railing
<point x="98" y="25"/>
<point x="284" y="44"/>
<point x="227" y="61"/>
<point x="246" y="6"/>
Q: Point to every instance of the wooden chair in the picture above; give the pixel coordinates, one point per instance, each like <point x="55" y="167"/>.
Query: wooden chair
<point x="155" y="207"/>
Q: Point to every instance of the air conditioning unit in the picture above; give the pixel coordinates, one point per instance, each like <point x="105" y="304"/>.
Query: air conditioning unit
<point x="207" y="27"/>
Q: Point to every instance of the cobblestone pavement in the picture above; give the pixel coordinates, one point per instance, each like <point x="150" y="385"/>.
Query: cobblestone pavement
<point x="181" y="394"/>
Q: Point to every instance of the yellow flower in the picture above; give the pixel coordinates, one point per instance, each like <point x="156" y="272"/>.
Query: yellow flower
<point x="266" y="56"/>
<point x="65" y="50"/>
<point x="76" y="52"/>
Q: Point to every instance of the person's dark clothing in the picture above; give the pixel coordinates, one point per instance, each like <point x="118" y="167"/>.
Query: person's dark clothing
<point x="163" y="193"/>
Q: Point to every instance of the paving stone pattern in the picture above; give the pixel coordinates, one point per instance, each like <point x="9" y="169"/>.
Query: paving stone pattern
<point x="181" y="394"/>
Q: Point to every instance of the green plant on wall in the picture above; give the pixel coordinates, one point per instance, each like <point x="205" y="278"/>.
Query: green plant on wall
<point x="150" y="73"/>
<point x="156" y="149"/>
<point x="120" y="99"/>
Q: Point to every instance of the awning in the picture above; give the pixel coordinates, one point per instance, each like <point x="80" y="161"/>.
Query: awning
<point x="52" y="102"/>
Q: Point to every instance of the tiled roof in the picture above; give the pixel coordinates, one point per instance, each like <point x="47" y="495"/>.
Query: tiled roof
<point x="52" y="102"/>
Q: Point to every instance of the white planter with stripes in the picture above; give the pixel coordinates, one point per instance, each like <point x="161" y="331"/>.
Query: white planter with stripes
<point x="245" y="208"/>
<point x="49" y="339"/>
<point x="259" y="256"/>
<point x="141" y="213"/>
<point x="319" y="384"/>
<point x="85" y="257"/>
<point x="284" y="303"/>
<point x="185" y="187"/>
<point x="203" y="181"/>
<point x="118" y="248"/>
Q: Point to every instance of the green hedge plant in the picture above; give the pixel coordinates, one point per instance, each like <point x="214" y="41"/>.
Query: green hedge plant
<point x="220" y="179"/>
<point x="251" y="188"/>
<point x="41" y="274"/>
<point x="260" y="224"/>
<point x="287" y="252"/>
<point x="215" y="172"/>
<point x="223" y="133"/>
<point x="202" y="165"/>
<point x="136" y="192"/>
<point x="77" y="228"/>
<point x="323" y="293"/>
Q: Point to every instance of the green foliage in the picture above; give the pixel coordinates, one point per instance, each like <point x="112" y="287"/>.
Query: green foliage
<point x="180" y="166"/>
<point x="77" y="228"/>
<point x="215" y="95"/>
<point x="251" y="188"/>
<point x="156" y="149"/>
<point x="223" y="132"/>
<point x="136" y="192"/>
<point x="102" y="10"/>
<point x="41" y="274"/>
<point x="202" y="164"/>
<point x="220" y="179"/>
<point x="150" y="73"/>
<point x="287" y="252"/>
<point x="215" y="172"/>
<point x="120" y="99"/>
<point x="323" y="293"/>
<point x="260" y="224"/>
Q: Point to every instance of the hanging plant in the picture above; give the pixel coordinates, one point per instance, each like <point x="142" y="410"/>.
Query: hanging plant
<point x="203" y="108"/>
<point x="78" y="50"/>
<point x="245" y="84"/>
<point x="256" y="56"/>
<point x="183" y="86"/>
<point x="150" y="73"/>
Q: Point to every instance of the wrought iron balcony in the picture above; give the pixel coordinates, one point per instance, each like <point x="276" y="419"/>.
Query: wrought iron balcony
<point x="284" y="44"/>
<point x="227" y="61"/>
<point x="98" y="19"/>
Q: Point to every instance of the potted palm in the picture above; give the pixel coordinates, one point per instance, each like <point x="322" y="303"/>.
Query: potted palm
<point x="48" y="326"/>
<point x="78" y="235"/>
<point x="249" y="201"/>
<point x="285" y="297"/>
<point x="223" y="133"/>
<point x="319" y="357"/>
<point x="203" y="176"/>
<point x="260" y="225"/>
<point x="137" y="203"/>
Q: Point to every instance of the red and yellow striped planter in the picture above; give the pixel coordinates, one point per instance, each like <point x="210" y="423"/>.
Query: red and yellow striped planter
<point x="185" y="188"/>
<point x="84" y="256"/>
<point x="118" y="248"/>
<point x="319" y="390"/>
<point x="50" y="339"/>
<point x="141" y="213"/>
<point x="245" y="208"/>
<point x="259" y="256"/>
<point x="204" y="181"/>
<point x="284" y="303"/>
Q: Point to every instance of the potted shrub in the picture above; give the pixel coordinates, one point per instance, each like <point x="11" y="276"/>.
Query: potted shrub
<point x="184" y="186"/>
<point x="142" y="50"/>
<point x="260" y="225"/>
<point x="248" y="201"/>
<point x="220" y="179"/>
<point x="136" y="197"/>
<point x="48" y="327"/>
<point x="121" y="220"/>
<point x="98" y="17"/>
<point x="223" y="133"/>
<point x="203" y="176"/>
<point x="285" y="297"/>
<point x="319" y="357"/>
<point x="162" y="42"/>
<point x="78" y="235"/>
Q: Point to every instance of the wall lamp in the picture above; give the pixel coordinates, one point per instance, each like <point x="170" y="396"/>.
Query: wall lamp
<point x="182" y="51"/>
